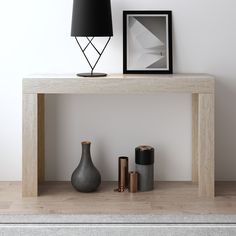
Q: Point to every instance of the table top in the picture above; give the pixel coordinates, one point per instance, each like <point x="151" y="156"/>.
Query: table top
<point x="118" y="84"/>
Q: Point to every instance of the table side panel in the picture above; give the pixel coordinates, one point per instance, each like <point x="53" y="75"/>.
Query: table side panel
<point x="206" y="142"/>
<point x="30" y="146"/>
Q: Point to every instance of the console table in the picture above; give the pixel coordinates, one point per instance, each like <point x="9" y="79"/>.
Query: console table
<point x="201" y="86"/>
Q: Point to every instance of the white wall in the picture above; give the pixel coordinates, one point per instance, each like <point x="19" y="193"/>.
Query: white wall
<point x="35" y="38"/>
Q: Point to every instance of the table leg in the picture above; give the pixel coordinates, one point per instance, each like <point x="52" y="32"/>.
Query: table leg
<point x="32" y="103"/>
<point x="206" y="145"/>
<point x="195" y="138"/>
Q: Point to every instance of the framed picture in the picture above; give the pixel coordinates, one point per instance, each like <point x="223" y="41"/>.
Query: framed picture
<point x="147" y="42"/>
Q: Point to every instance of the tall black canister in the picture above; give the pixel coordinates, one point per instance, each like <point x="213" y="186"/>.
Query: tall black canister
<point x="144" y="160"/>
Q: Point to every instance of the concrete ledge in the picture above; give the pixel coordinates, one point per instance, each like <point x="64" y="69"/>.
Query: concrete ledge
<point x="117" y="219"/>
<point x="118" y="230"/>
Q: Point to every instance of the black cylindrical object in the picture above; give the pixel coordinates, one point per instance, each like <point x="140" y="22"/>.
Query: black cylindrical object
<point x="144" y="160"/>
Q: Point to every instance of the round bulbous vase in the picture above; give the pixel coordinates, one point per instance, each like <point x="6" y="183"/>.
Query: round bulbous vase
<point x="86" y="178"/>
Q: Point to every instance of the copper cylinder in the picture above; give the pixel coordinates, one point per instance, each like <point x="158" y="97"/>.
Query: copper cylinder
<point x="133" y="182"/>
<point x="123" y="173"/>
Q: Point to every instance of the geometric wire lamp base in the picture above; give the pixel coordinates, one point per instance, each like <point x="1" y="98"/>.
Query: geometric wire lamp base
<point x="90" y="43"/>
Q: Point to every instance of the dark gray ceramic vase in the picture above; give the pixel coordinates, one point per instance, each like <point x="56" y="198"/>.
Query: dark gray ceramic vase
<point x="86" y="178"/>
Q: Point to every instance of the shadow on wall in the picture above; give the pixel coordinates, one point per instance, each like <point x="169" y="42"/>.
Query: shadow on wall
<point x="101" y="154"/>
<point x="225" y="130"/>
<point x="51" y="139"/>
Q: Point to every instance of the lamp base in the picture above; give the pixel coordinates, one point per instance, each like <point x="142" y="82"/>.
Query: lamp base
<point x="91" y="74"/>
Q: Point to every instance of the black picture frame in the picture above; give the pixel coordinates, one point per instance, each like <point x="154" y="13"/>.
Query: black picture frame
<point x="168" y="62"/>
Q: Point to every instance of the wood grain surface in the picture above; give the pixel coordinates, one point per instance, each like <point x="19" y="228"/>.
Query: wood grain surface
<point x="167" y="198"/>
<point x="119" y="84"/>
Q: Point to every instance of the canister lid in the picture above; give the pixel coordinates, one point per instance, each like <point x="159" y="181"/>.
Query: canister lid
<point x="144" y="155"/>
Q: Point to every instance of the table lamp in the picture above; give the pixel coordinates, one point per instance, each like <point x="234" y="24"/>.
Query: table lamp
<point x="90" y="19"/>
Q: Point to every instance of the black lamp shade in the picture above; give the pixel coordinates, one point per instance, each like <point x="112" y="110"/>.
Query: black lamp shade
<point x="91" y="18"/>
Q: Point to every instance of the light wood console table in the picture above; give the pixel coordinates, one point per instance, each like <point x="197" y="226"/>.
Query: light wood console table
<point x="201" y="86"/>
